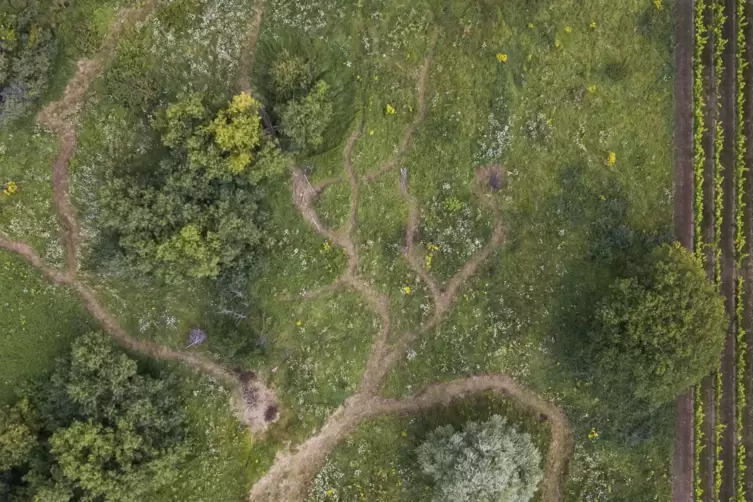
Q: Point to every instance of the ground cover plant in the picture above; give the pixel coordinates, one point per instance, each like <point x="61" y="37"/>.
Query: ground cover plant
<point x="460" y="184"/>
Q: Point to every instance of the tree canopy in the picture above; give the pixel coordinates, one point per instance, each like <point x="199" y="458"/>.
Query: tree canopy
<point x="657" y="331"/>
<point x="98" y="430"/>
<point x="484" y="462"/>
<point x="196" y="212"/>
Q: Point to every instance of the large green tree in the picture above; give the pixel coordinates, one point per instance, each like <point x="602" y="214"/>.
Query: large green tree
<point x="484" y="462"/>
<point x="97" y="430"/>
<point x="196" y="212"/>
<point x="657" y="331"/>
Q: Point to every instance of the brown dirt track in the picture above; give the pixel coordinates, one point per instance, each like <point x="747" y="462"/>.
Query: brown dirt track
<point x="682" y="460"/>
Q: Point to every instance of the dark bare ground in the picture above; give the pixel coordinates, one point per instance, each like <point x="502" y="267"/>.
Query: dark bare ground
<point x="748" y="265"/>
<point x="708" y="453"/>
<point x="727" y="413"/>
<point x="682" y="461"/>
<point x="707" y="456"/>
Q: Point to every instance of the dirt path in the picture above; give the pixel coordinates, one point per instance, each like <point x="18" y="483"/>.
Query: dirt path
<point x="682" y="459"/>
<point x="421" y="100"/>
<point x="728" y="411"/>
<point x="290" y="476"/>
<point x="292" y="472"/>
<point x="60" y="118"/>
<point x="109" y="323"/>
<point x="748" y="266"/>
<point x="246" y="65"/>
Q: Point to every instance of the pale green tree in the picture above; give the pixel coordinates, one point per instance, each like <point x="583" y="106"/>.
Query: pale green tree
<point x="484" y="462"/>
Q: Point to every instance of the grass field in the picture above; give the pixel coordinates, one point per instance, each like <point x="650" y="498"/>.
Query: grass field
<point x="551" y="114"/>
<point x="572" y="99"/>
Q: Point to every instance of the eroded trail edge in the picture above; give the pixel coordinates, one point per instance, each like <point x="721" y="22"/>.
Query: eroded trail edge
<point x="293" y="471"/>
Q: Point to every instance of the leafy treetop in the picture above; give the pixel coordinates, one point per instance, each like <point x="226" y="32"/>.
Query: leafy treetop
<point x="658" y="331"/>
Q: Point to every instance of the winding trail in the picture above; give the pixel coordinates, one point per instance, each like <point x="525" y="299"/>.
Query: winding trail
<point x="60" y="118"/>
<point x="292" y="471"/>
<point x="289" y="477"/>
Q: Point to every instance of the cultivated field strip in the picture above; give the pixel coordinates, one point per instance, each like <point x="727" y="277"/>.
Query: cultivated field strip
<point x="722" y="237"/>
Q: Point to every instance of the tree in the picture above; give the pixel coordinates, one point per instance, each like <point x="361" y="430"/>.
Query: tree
<point x="484" y="462"/>
<point x="303" y="120"/>
<point x="196" y="213"/>
<point x="97" y="430"/>
<point x="657" y="332"/>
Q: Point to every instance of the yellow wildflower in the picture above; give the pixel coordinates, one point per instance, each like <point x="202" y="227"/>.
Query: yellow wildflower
<point x="390" y="110"/>
<point x="298" y="323"/>
<point x="10" y="188"/>
<point x="611" y="159"/>
<point x="592" y="88"/>
<point x="531" y="26"/>
<point x="406" y="290"/>
<point x="593" y="434"/>
<point x="592" y="25"/>
<point x="502" y="57"/>
<point x="557" y="43"/>
<point x="568" y="29"/>
<point x="326" y="246"/>
<point x="658" y="4"/>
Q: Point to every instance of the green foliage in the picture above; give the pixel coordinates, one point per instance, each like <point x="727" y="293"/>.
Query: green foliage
<point x="658" y="331"/>
<point x="27" y="50"/>
<point x="304" y="120"/>
<point x="699" y="110"/>
<point x="196" y="213"/>
<point x="719" y="19"/>
<point x="485" y="462"/>
<point x="740" y="243"/>
<point x="17" y="435"/>
<point x="97" y="430"/>
<point x="291" y="76"/>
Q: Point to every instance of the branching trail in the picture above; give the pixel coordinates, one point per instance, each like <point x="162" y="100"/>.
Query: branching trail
<point x="421" y="99"/>
<point x="292" y="472"/>
<point x="60" y="117"/>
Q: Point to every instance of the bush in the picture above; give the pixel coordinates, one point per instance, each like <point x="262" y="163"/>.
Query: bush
<point x="291" y="76"/>
<point x="97" y="430"/>
<point x="304" y="120"/>
<point x="195" y="214"/>
<point x="27" y="50"/>
<point x="485" y="462"/>
<point x="657" y="332"/>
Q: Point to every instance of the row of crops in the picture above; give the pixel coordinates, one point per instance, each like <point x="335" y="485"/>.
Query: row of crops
<point x="720" y="40"/>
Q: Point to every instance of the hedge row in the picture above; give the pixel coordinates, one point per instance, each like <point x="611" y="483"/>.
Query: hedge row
<point x="740" y="255"/>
